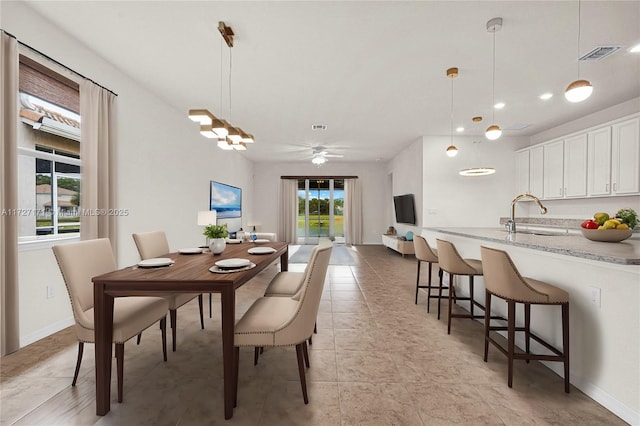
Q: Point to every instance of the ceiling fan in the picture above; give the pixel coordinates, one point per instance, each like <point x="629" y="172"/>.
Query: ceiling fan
<point x="320" y="154"/>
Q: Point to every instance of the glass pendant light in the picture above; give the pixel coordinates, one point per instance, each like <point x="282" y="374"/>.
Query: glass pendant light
<point x="452" y="151"/>
<point x="579" y="90"/>
<point x="494" y="131"/>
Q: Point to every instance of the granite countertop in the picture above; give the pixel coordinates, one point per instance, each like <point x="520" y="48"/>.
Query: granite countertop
<point x="626" y="252"/>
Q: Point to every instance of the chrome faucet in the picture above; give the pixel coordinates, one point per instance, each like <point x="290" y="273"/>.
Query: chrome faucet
<point x="511" y="223"/>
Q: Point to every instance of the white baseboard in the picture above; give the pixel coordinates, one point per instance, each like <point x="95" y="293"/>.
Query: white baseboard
<point x="46" y="331"/>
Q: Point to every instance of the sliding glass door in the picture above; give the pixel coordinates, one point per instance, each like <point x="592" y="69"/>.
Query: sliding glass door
<point x="320" y="210"/>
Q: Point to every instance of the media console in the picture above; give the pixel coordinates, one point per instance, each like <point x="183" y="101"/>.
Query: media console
<point x="401" y="246"/>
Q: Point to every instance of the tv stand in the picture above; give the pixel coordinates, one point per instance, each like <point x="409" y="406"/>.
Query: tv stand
<point x="401" y="246"/>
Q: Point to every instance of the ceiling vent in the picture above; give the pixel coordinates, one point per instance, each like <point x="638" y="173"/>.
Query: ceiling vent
<point x="318" y="127"/>
<point x="599" y="53"/>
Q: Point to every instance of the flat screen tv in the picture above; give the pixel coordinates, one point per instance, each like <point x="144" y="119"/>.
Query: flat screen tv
<point x="405" y="208"/>
<point x="226" y="200"/>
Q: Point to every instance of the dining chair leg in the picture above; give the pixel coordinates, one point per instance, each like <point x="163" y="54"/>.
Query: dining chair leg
<point x="311" y="340"/>
<point x="306" y="354"/>
<point x="511" y="334"/>
<point x="200" y="308"/>
<point x="418" y="281"/>
<point x="256" y="354"/>
<point x="487" y="323"/>
<point x="315" y="327"/>
<point x="527" y="327"/>
<point x="210" y="305"/>
<point x="173" y="316"/>
<point x="163" y="327"/>
<point x="78" y="362"/>
<point x="303" y="382"/>
<point x="119" y="367"/>
<point x="565" y="344"/>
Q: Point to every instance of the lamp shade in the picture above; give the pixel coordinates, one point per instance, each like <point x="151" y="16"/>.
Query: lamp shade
<point x="578" y="91"/>
<point x="477" y="171"/>
<point x="208" y="217"/>
<point x="493" y="132"/>
<point x="452" y="151"/>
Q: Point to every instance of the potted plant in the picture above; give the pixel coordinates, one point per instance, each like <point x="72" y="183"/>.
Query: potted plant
<point x="216" y="235"/>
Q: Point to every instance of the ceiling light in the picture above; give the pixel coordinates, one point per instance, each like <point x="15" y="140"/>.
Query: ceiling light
<point x="635" y="49"/>
<point x="318" y="160"/>
<point x="579" y="90"/>
<point x="476" y="119"/>
<point x="493" y="132"/>
<point x="201" y="116"/>
<point x="499" y="105"/>
<point x="459" y="129"/>
<point x="224" y="144"/>
<point x="452" y="151"/>
<point x="234" y="135"/>
<point x="477" y="171"/>
<point x="207" y="131"/>
<point x="546" y="96"/>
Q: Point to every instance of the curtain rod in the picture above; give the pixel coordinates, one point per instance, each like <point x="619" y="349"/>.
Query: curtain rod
<point x="57" y="62"/>
<point x="318" y="177"/>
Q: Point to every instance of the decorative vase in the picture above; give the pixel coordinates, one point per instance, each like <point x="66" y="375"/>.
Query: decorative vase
<point x="217" y="245"/>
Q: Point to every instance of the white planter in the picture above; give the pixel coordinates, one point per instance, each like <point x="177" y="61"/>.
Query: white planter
<point x="217" y="245"/>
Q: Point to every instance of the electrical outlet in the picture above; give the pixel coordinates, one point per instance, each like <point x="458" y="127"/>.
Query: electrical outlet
<point x="595" y="295"/>
<point x="50" y="292"/>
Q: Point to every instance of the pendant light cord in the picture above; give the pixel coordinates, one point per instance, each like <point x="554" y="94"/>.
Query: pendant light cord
<point x="493" y="90"/>
<point x="579" y="29"/>
<point x="230" y="66"/>
<point x="452" y="110"/>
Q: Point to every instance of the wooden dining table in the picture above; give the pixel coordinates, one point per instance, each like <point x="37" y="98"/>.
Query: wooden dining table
<point x="189" y="274"/>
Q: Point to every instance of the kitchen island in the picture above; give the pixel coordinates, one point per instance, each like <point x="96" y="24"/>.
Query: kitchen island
<point x="603" y="280"/>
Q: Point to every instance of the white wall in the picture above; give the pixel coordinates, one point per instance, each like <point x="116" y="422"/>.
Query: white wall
<point x="405" y="175"/>
<point x="453" y="200"/>
<point x="375" y="192"/>
<point x="163" y="170"/>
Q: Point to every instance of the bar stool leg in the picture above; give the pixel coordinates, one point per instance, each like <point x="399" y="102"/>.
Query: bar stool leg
<point x="471" y="294"/>
<point x="511" y="334"/>
<point x="440" y="274"/>
<point x="527" y="327"/>
<point x="487" y="323"/>
<point x="452" y="295"/>
<point x="565" y="344"/>
<point x="429" y="288"/>
<point x="418" y="284"/>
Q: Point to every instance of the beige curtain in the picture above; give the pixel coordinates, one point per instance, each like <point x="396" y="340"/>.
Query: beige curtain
<point x="288" y="218"/>
<point x="9" y="330"/>
<point x="97" y="151"/>
<point x="352" y="211"/>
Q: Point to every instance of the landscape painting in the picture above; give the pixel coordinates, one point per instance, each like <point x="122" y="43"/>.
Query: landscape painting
<point x="226" y="200"/>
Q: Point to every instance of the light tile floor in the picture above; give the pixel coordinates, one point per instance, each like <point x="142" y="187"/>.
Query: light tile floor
<point x="378" y="359"/>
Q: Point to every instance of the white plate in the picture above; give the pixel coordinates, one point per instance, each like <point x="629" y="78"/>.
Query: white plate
<point x="261" y="241"/>
<point x="232" y="263"/>
<point x="261" y="250"/>
<point x="233" y="241"/>
<point x="155" y="262"/>
<point x="190" y="250"/>
<point x="219" y="270"/>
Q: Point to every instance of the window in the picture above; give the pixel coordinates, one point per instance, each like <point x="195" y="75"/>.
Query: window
<point x="49" y="184"/>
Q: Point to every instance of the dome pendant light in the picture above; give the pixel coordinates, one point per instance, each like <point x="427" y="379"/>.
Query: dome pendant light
<point x="452" y="151"/>
<point x="579" y="90"/>
<point x="494" y="131"/>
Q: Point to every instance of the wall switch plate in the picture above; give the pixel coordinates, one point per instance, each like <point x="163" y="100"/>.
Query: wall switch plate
<point x="50" y="292"/>
<point x="432" y="211"/>
<point x="595" y="295"/>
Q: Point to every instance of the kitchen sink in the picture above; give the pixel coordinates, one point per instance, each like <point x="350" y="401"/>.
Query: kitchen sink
<point x="541" y="233"/>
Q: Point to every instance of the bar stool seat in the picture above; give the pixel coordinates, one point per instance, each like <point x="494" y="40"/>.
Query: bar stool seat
<point x="424" y="253"/>
<point x="503" y="280"/>
<point x="451" y="262"/>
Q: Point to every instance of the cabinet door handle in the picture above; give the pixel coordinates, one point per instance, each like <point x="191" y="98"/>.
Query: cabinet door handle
<point x="614" y="187"/>
<point x="565" y="192"/>
<point x="606" y="187"/>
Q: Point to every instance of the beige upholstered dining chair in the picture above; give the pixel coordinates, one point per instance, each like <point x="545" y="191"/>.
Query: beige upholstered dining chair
<point x="502" y="279"/>
<point x="81" y="261"/>
<point x="155" y="244"/>
<point x="286" y="321"/>
<point x="424" y="253"/>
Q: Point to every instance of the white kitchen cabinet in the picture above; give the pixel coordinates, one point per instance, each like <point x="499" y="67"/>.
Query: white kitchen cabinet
<point x="625" y="157"/>
<point x="536" y="159"/>
<point x="552" y="170"/>
<point x="599" y="163"/>
<point x="575" y="166"/>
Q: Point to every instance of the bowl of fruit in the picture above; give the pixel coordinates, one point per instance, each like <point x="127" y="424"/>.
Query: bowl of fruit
<point x="605" y="228"/>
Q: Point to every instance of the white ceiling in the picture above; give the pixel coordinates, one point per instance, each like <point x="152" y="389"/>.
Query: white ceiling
<point x="374" y="72"/>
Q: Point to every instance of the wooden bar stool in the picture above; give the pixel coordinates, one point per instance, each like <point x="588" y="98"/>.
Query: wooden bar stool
<point x="503" y="280"/>
<point x="451" y="262"/>
<point x="424" y="253"/>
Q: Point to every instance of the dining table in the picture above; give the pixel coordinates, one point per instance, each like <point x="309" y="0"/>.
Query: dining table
<point x="189" y="273"/>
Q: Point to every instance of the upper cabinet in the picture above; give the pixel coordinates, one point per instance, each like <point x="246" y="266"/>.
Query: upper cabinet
<point x="602" y="161"/>
<point x="625" y="154"/>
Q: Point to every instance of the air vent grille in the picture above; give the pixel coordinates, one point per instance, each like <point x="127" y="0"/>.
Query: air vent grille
<point x="600" y="53"/>
<point x="318" y="127"/>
